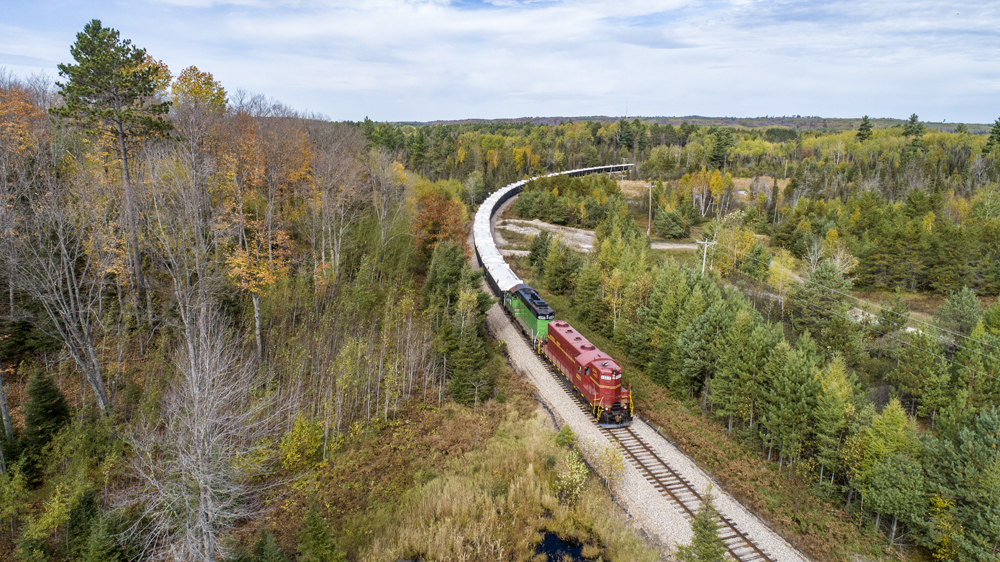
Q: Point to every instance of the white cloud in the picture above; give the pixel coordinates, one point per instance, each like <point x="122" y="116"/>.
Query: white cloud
<point x="440" y="59"/>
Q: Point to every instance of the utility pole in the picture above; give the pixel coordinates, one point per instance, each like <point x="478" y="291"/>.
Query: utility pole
<point x="705" y="253"/>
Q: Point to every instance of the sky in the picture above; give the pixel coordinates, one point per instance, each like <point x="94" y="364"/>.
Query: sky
<point x="424" y="60"/>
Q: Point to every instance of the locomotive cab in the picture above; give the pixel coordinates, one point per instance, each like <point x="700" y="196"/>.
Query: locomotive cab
<point x="612" y="401"/>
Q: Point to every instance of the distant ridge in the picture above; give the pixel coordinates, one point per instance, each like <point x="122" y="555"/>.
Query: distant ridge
<point x="797" y="122"/>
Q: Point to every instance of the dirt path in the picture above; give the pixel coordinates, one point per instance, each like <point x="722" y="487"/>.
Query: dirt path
<point x="578" y="239"/>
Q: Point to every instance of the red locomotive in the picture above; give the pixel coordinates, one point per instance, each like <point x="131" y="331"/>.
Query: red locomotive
<point x="595" y="375"/>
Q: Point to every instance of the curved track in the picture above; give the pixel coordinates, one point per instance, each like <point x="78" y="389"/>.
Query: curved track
<point x="643" y="456"/>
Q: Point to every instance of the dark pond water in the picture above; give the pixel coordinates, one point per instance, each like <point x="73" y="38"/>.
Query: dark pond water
<point x="556" y="549"/>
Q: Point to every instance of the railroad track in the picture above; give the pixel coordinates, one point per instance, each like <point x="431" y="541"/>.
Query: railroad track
<point x="669" y="482"/>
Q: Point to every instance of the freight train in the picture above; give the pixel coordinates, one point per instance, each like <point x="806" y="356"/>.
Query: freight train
<point x="594" y="374"/>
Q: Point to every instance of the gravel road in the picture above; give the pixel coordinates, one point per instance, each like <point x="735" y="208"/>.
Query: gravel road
<point x="579" y="239"/>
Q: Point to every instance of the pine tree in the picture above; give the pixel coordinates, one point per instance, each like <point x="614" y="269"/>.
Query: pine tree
<point x="726" y="391"/>
<point x="698" y="348"/>
<point x="267" y="549"/>
<point x="897" y="489"/>
<point x="834" y="405"/>
<point x="100" y="545"/>
<point x="819" y="305"/>
<point x="959" y="314"/>
<point x="112" y="90"/>
<point x="706" y="546"/>
<point x="964" y="467"/>
<point x="315" y="542"/>
<point x="994" y="139"/>
<point x="586" y="298"/>
<point x="978" y="367"/>
<point x="865" y="129"/>
<point x="991" y="320"/>
<point x="795" y="399"/>
<point x="772" y="374"/>
<point x="45" y="414"/>
<point x="913" y="127"/>
<point x="468" y="383"/>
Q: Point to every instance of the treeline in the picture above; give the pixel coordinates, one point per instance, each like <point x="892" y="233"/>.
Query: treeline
<point x="222" y="287"/>
<point x="918" y="208"/>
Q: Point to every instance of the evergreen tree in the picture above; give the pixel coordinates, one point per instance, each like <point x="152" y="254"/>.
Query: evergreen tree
<point x="706" y="546"/>
<point x="834" y="405"/>
<point x="100" y="545"/>
<point x="965" y="468"/>
<point x="772" y="374"/>
<point x="722" y="141"/>
<point x="919" y="369"/>
<point x="560" y="268"/>
<point x="994" y="139"/>
<point x="729" y="398"/>
<point x="991" y="320"/>
<point x="978" y="368"/>
<point x="45" y="414"/>
<point x="586" y="298"/>
<point x="897" y="489"/>
<point x="959" y="314"/>
<point x="267" y="550"/>
<point x="819" y="304"/>
<point x="539" y="251"/>
<point x="467" y="354"/>
<point x="795" y="399"/>
<point x="671" y="224"/>
<point x="111" y="90"/>
<point x="895" y="316"/>
<point x="315" y="542"/>
<point x="913" y="127"/>
<point x="758" y="263"/>
<point x="698" y="348"/>
<point x="865" y="129"/>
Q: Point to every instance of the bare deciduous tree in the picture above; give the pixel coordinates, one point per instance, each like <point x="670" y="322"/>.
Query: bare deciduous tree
<point x="199" y="465"/>
<point x="62" y="263"/>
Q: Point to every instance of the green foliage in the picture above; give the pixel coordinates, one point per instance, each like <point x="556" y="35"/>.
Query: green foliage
<point x="865" y="129"/>
<point x="565" y="437"/>
<point x="963" y="469"/>
<point x="896" y="488"/>
<point x="991" y="320"/>
<point x="315" y="542"/>
<point x="757" y="264"/>
<point x="895" y="316"/>
<point x="671" y="224"/>
<point x="45" y="414"/>
<point x="994" y="139"/>
<point x="13" y="493"/>
<point x="571" y="479"/>
<point x="913" y="127"/>
<point x="110" y="86"/>
<point x="819" y="305"/>
<point x="560" y="268"/>
<point x="706" y="546"/>
<point x="302" y="446"/>
<point x="722" y="141"/>
<point x="101" y="544"/>
<point x="959" y="314"/>
<point x="267" y="550"/>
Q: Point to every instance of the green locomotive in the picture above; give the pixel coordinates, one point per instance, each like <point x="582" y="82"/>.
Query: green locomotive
<point x="531" y="313"/>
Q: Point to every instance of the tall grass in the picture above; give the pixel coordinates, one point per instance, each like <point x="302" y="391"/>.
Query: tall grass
<point x="493" y="504"/>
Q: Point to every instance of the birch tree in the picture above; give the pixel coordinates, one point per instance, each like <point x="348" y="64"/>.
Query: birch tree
<point x="198" y="470"/>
